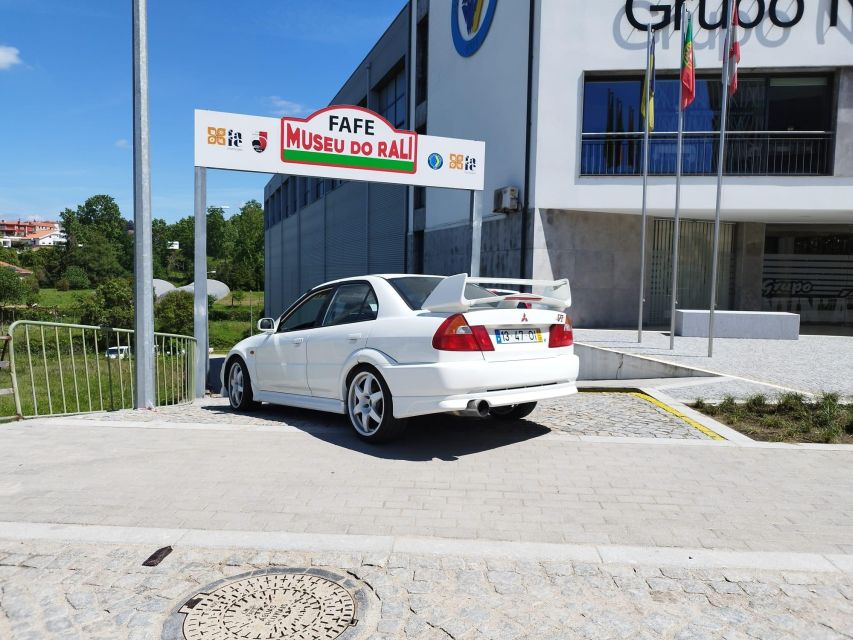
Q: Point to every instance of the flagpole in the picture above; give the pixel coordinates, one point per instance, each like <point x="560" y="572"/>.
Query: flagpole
<point x="678" y="162"/>
<point x="721" y="161"/>
<point x="645" y="184"/>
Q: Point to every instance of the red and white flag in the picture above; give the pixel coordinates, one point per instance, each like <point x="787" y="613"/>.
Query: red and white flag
<point x="734" y="51"/>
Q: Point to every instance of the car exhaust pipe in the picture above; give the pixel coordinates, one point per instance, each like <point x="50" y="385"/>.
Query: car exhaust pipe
<point x="479" y="408"/>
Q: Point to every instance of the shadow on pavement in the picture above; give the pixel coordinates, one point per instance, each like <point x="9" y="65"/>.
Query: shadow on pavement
<point x="443" y="437"/>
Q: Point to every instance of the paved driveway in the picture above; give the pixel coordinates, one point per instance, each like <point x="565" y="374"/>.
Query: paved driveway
<point x="465" y="530"/>
<point x="305" y="472"/>
<point x="812" y="364"/>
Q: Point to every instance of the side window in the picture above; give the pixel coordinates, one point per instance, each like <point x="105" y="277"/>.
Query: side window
<point x="352" y="303"/>
<point x="306" y="315"/>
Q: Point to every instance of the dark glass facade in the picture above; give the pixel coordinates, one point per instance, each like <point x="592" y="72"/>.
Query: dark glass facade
<point x="779" y="125"/>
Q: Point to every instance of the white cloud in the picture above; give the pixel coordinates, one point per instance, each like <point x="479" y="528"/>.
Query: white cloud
<point x="122" y="143"/>
<point x="9" y="57"/>
<point x="282" y="107"/>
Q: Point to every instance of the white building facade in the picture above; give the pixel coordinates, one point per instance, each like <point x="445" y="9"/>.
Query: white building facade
<point x="554" y="88"/>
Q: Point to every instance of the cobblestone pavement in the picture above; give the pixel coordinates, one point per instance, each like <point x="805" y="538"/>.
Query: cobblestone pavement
<point x="75" y="591"/>
<point x="587" y="414"/>
<point x="454" y="479"/>
<point x="812" y="363"/>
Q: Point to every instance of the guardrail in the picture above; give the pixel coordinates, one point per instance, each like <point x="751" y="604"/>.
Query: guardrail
<point x="763" y="153"/>
<point x="66" y="369"/>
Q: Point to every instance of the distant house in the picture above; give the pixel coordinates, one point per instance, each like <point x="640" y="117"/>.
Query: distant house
<point x="174" y="245"/>
<point x="46" y="238"/>
<point x="24" y="228"/>
<point x="19" y="270"/>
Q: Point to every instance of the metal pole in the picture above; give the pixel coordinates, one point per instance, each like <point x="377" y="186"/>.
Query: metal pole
<point x="200" y="284"/>
<point x="476" y="231"/>
<point x="721" y="162"/>
<point x="649" y="37"/>
<point x="143" y="297"/>
<point x="676" y="225"/>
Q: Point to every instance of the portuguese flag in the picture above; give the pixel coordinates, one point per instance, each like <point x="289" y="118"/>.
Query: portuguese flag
<point x="688" y="68"/>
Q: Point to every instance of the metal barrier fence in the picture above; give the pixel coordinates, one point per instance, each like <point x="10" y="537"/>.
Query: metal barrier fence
<point x="63" y="369"/>
<point x="764" y="153"/>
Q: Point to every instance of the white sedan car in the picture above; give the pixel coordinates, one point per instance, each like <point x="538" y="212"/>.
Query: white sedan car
<point x="382" y="349"/>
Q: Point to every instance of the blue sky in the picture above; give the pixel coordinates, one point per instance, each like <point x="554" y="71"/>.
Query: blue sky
<point x="66" y="101"/>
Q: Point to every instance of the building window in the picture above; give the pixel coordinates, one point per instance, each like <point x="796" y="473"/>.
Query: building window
<point x="779" y="125"/>
<point x="392" y="98"/>
<point x="421" y="61"/>
<point x="291" y="196"/>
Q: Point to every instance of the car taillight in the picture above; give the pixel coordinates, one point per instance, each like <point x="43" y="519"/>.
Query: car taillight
<point x="561" y="335"/>
<point x="455" y="334"/>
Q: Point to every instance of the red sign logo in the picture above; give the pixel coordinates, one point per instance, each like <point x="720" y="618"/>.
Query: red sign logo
<point x="524" y="317"/>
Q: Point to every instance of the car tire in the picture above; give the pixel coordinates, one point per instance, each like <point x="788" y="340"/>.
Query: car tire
<point x="513" y="411"/>
<point x="239" y="386"/>
<point x="370" y="407"/>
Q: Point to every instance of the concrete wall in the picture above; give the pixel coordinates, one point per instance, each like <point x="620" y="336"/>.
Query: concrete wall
<point x="447" y="251"/>
<point x="844" y="125"/>
<point x="749" y="265"/>
<point x="481" y="97"/>
<point x="600" y="254"/>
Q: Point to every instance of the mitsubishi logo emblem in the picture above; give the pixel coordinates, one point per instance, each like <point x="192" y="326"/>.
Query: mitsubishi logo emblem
<point x="524" y="317"/>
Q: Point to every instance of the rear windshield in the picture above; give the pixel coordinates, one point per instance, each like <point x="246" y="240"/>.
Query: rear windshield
<point x="415" y="291"/>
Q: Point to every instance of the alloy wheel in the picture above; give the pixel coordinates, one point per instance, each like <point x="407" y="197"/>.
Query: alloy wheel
<point x="235" y="385"/>
<point x="366" y="403"/>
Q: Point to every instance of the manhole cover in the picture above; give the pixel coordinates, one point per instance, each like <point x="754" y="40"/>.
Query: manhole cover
<point x="272" y="606"/>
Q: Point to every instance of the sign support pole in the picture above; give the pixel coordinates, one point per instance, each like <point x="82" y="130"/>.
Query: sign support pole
<point x="476" y="231"/>
<point x="677" y="221"/>
<point x="721" y="164"/>
<point x="143" y="296"/>
<point x="649" y="37"/>
<point x="200" y="285"/>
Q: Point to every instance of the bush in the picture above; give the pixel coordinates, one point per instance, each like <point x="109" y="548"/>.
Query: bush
<point x="15" y="290"/>
<point x="756" y="402"/>
<point x="173" y="313"/>
<point x="76" y="278"/>
<point x="111" y="305"/>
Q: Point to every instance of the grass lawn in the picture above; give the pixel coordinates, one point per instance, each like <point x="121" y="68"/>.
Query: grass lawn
<point x="61" y="299"/>
<point x="250" y="298"/>
<point x="791" y="418"/>
<point x="224" y="334"/>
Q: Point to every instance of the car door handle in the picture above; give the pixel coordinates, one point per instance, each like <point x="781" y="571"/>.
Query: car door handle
<point x="354" y="336"/>
<point x="298" y="341"/>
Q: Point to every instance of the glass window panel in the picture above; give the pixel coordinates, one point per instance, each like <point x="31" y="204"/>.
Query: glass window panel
<point x="352" y="303"/>
<point x="611" y="106"/>
<point x="305" y="316"/>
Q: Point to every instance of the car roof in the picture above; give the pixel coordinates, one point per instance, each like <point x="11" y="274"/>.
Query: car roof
<point x="382" y="276"/>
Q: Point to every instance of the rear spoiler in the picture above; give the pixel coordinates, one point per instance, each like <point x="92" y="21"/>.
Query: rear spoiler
<point x="449" y="295"/>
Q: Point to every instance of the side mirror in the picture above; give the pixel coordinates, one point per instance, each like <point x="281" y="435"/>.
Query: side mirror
<point x="266" y="325"/>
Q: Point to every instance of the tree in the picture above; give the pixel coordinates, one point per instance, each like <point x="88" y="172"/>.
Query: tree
<point x="111" y="305"/>
<point x="173" y="313"/>
<point x="245" y="270"/>
<point x="183" y="231"/>
<point x="160" y="247"/>
<point x="237" y="296"/>
<point x="16" y="290"/>
<point x="219" y="235"/>
<point x="76" y="278"/>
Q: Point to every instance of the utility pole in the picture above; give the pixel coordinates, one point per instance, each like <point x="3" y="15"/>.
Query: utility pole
<point x="143" y="296"/>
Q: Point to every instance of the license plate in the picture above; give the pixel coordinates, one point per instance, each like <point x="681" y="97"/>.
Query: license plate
<point x="517" y="336"/>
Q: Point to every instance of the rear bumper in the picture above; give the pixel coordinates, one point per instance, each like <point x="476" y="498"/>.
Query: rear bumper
<point x="449" y="386"/>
